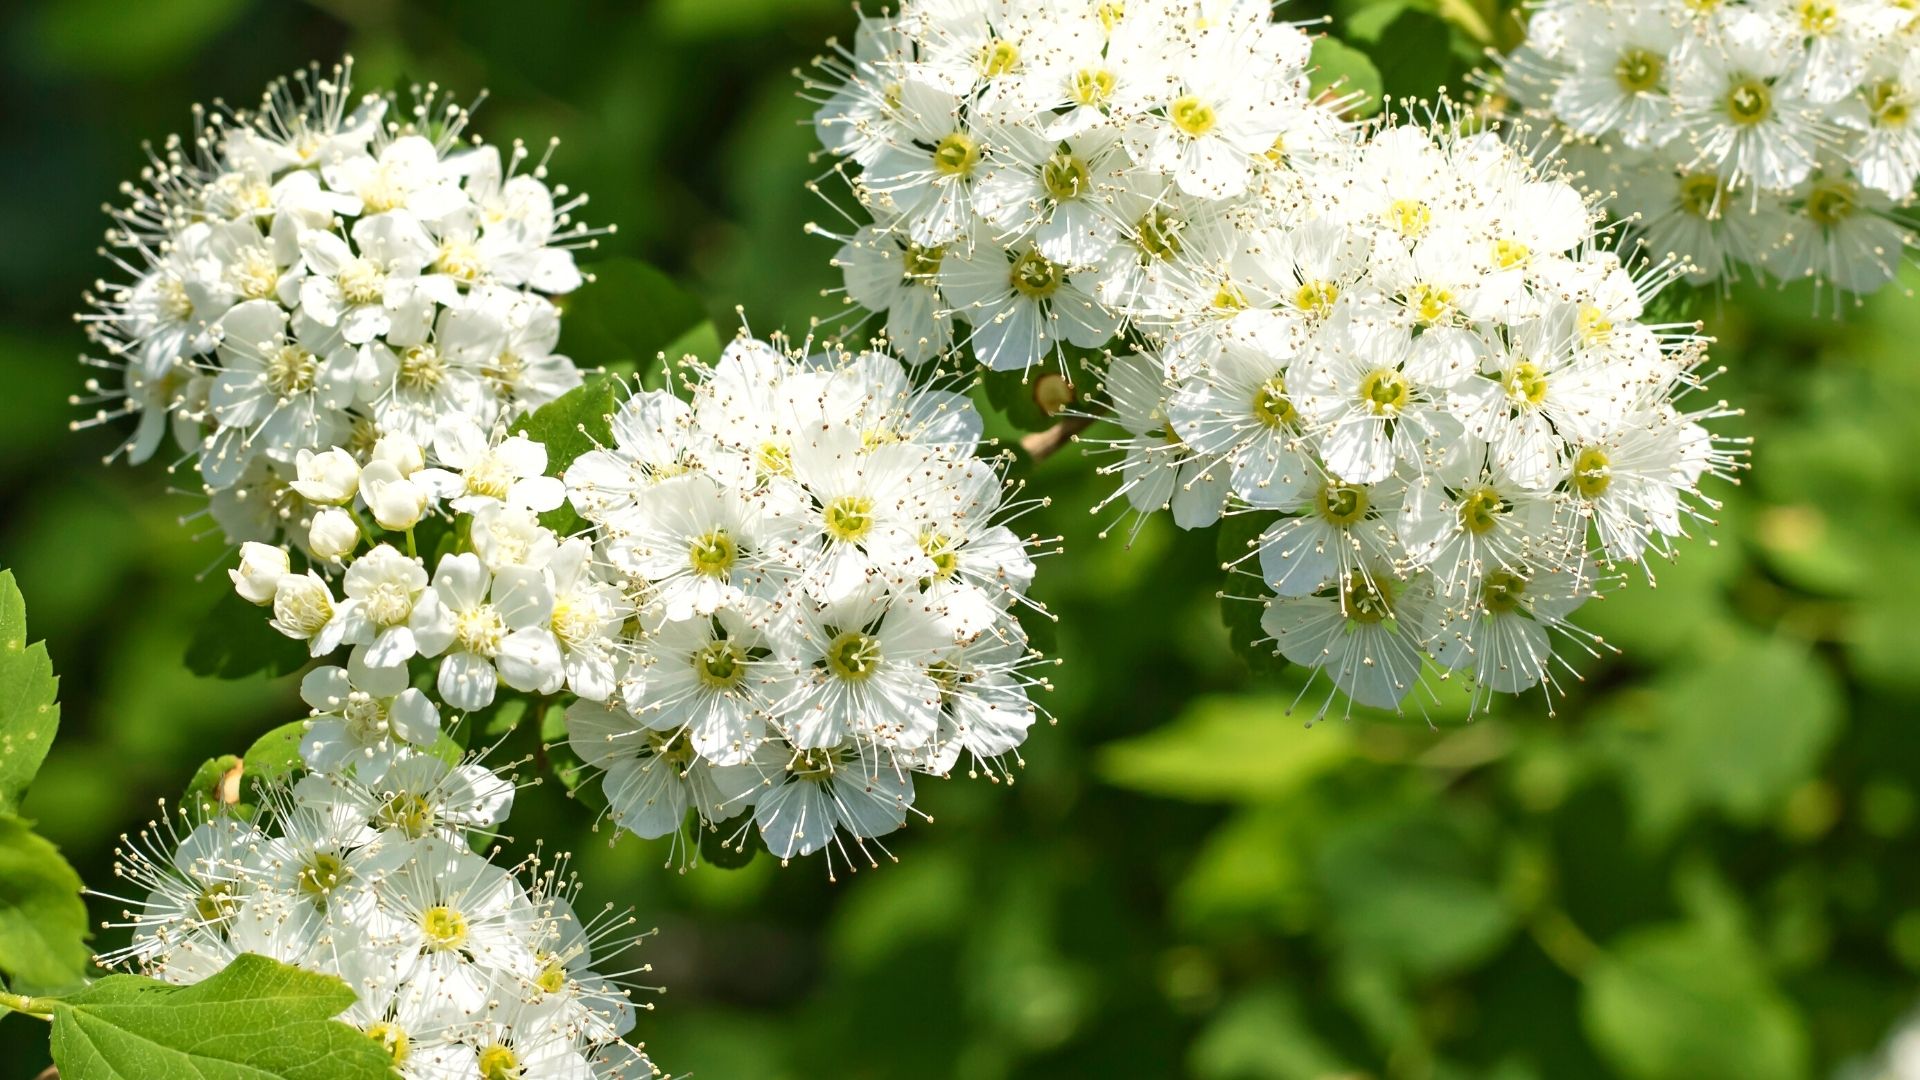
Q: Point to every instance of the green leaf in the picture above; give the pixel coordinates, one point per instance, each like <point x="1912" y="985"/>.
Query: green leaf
<point x="1416" y="887"/>
<point x="629" y="314"/>
<point x="1735" y="731"/>
<point x="29" y="715"/>
<point x="273" y="757"/>
<point x="1341" y="70"/>
<point x="255" y="1020"/>
<point x="1412" y="54"/>
<point x="233" y="641"/>
<point x="569" y="426"/>
<point x="1678" y="1003"/>
<point x="1227" y="748"/>
<point x="43" y="923"/>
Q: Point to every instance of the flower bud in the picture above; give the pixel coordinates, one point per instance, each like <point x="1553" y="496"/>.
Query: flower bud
<point x="401" y="451"/>
<point x="302" y="605"/>
<point x="259" y="573"/>
<point x="328" y="478"/>
<point x="334" y="534"/>
<point x="396" y="502"/>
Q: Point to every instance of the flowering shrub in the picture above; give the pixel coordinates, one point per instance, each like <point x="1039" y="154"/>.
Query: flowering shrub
<point x="1771" y="140"/>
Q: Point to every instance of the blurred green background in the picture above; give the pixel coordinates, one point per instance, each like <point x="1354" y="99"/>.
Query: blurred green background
<point x="1703" y="866"/>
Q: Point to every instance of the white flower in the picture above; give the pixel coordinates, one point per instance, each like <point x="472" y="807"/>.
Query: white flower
<point x="1364" y="637"/>
<point x="397" y="502"/>
<point x="333" y="535"/>
<point x="654" y="777"/>
<point x="390" y="602"/>
<point x="257" y="578"/>
<point x="321" y="272"/>
<point x="330" y="478"/>
<point x="1023" y="305"/>
<point x="1717" y="127"/>
<point x="353" y="725"/>
<point x="824" y="791"/>
<point x="303" y="609"/>
<point x="492" y="629"/>
<point x="477" y="475"/>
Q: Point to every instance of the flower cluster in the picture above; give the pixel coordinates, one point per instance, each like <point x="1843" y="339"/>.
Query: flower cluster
<point x="828" y="598"/>
<point x="324" y="271"/>
<point x="1038" y="171"/>
<point x="1770" y="138"/>
<point x="461" y="967"/>
<point x="1438" y="384"/>
<point x="797" y="590"/>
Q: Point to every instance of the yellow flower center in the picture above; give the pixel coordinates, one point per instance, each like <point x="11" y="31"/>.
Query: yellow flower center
<point x="1701" y="195"/>
<point x="1889" y="104"/>
<point x="853" y="655"/>
<point x="459" y="258"/>
<point x="1341" y="504"/>
<point x="1594" y="325"/>
<point x="480" y="630"/>
<point x="290" y="370"/>
<point x="1091" y="86"/>
<point x="1431" y="304"/>
<point x="1592" y="472"/>
<point x="1818" y="17"/>
<point x="1035" y="277"/>
<point x="322" y="873"/>
<point x="1638" y="70"/>
<point x="1525" y="384"/>
<point x="1316" y="298"/>
<point x="956" y="155"/>
<point x="1502" y="592"/>
<point x="720" y="665"/>
<point x="1749" y="102"/>
<point x="1366" y="599"/>
<point x="713" y="553"/>
<point x="497" y="1062"/>
<point x="1192" y="116"/>
<point x="1065" y="177"/>
<point x="1157" y="235"/>
<point x="1385" y="391"/>
<point x="392" y="1039"/>
<point x="216" y="902"/>
<point x="1271" y="406"/>
<point x="1833" y="201"/>
<point x="998" y="57"/>
<point x="444" y="928"/>
<point x="410" y="814"/>
<point x="1480" y="510"/>
<point x="848" y="518"/>
<point x="922" y="262"/>
<point x="422" y="368"/>
<point x="1409" y="217"/>
<point x="1510" y="254"/>
<point x="939" y="547"/>
<point x="362" y="282"/>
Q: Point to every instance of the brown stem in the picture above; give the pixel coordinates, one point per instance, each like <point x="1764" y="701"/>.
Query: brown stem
<point x="1041" y="445"/>
<point x="52" y="1073"/>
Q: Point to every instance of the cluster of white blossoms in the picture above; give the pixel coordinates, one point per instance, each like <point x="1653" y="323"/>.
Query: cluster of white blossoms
<point x="462" y="968"/>
<point x="1038" y="174"/>
<point x="325" y="271"/>
<point x="1434" y="374"/>
<point x="798" y="589"/>
<point x="1776" y="138"/>
<point x="827" y="599"/>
